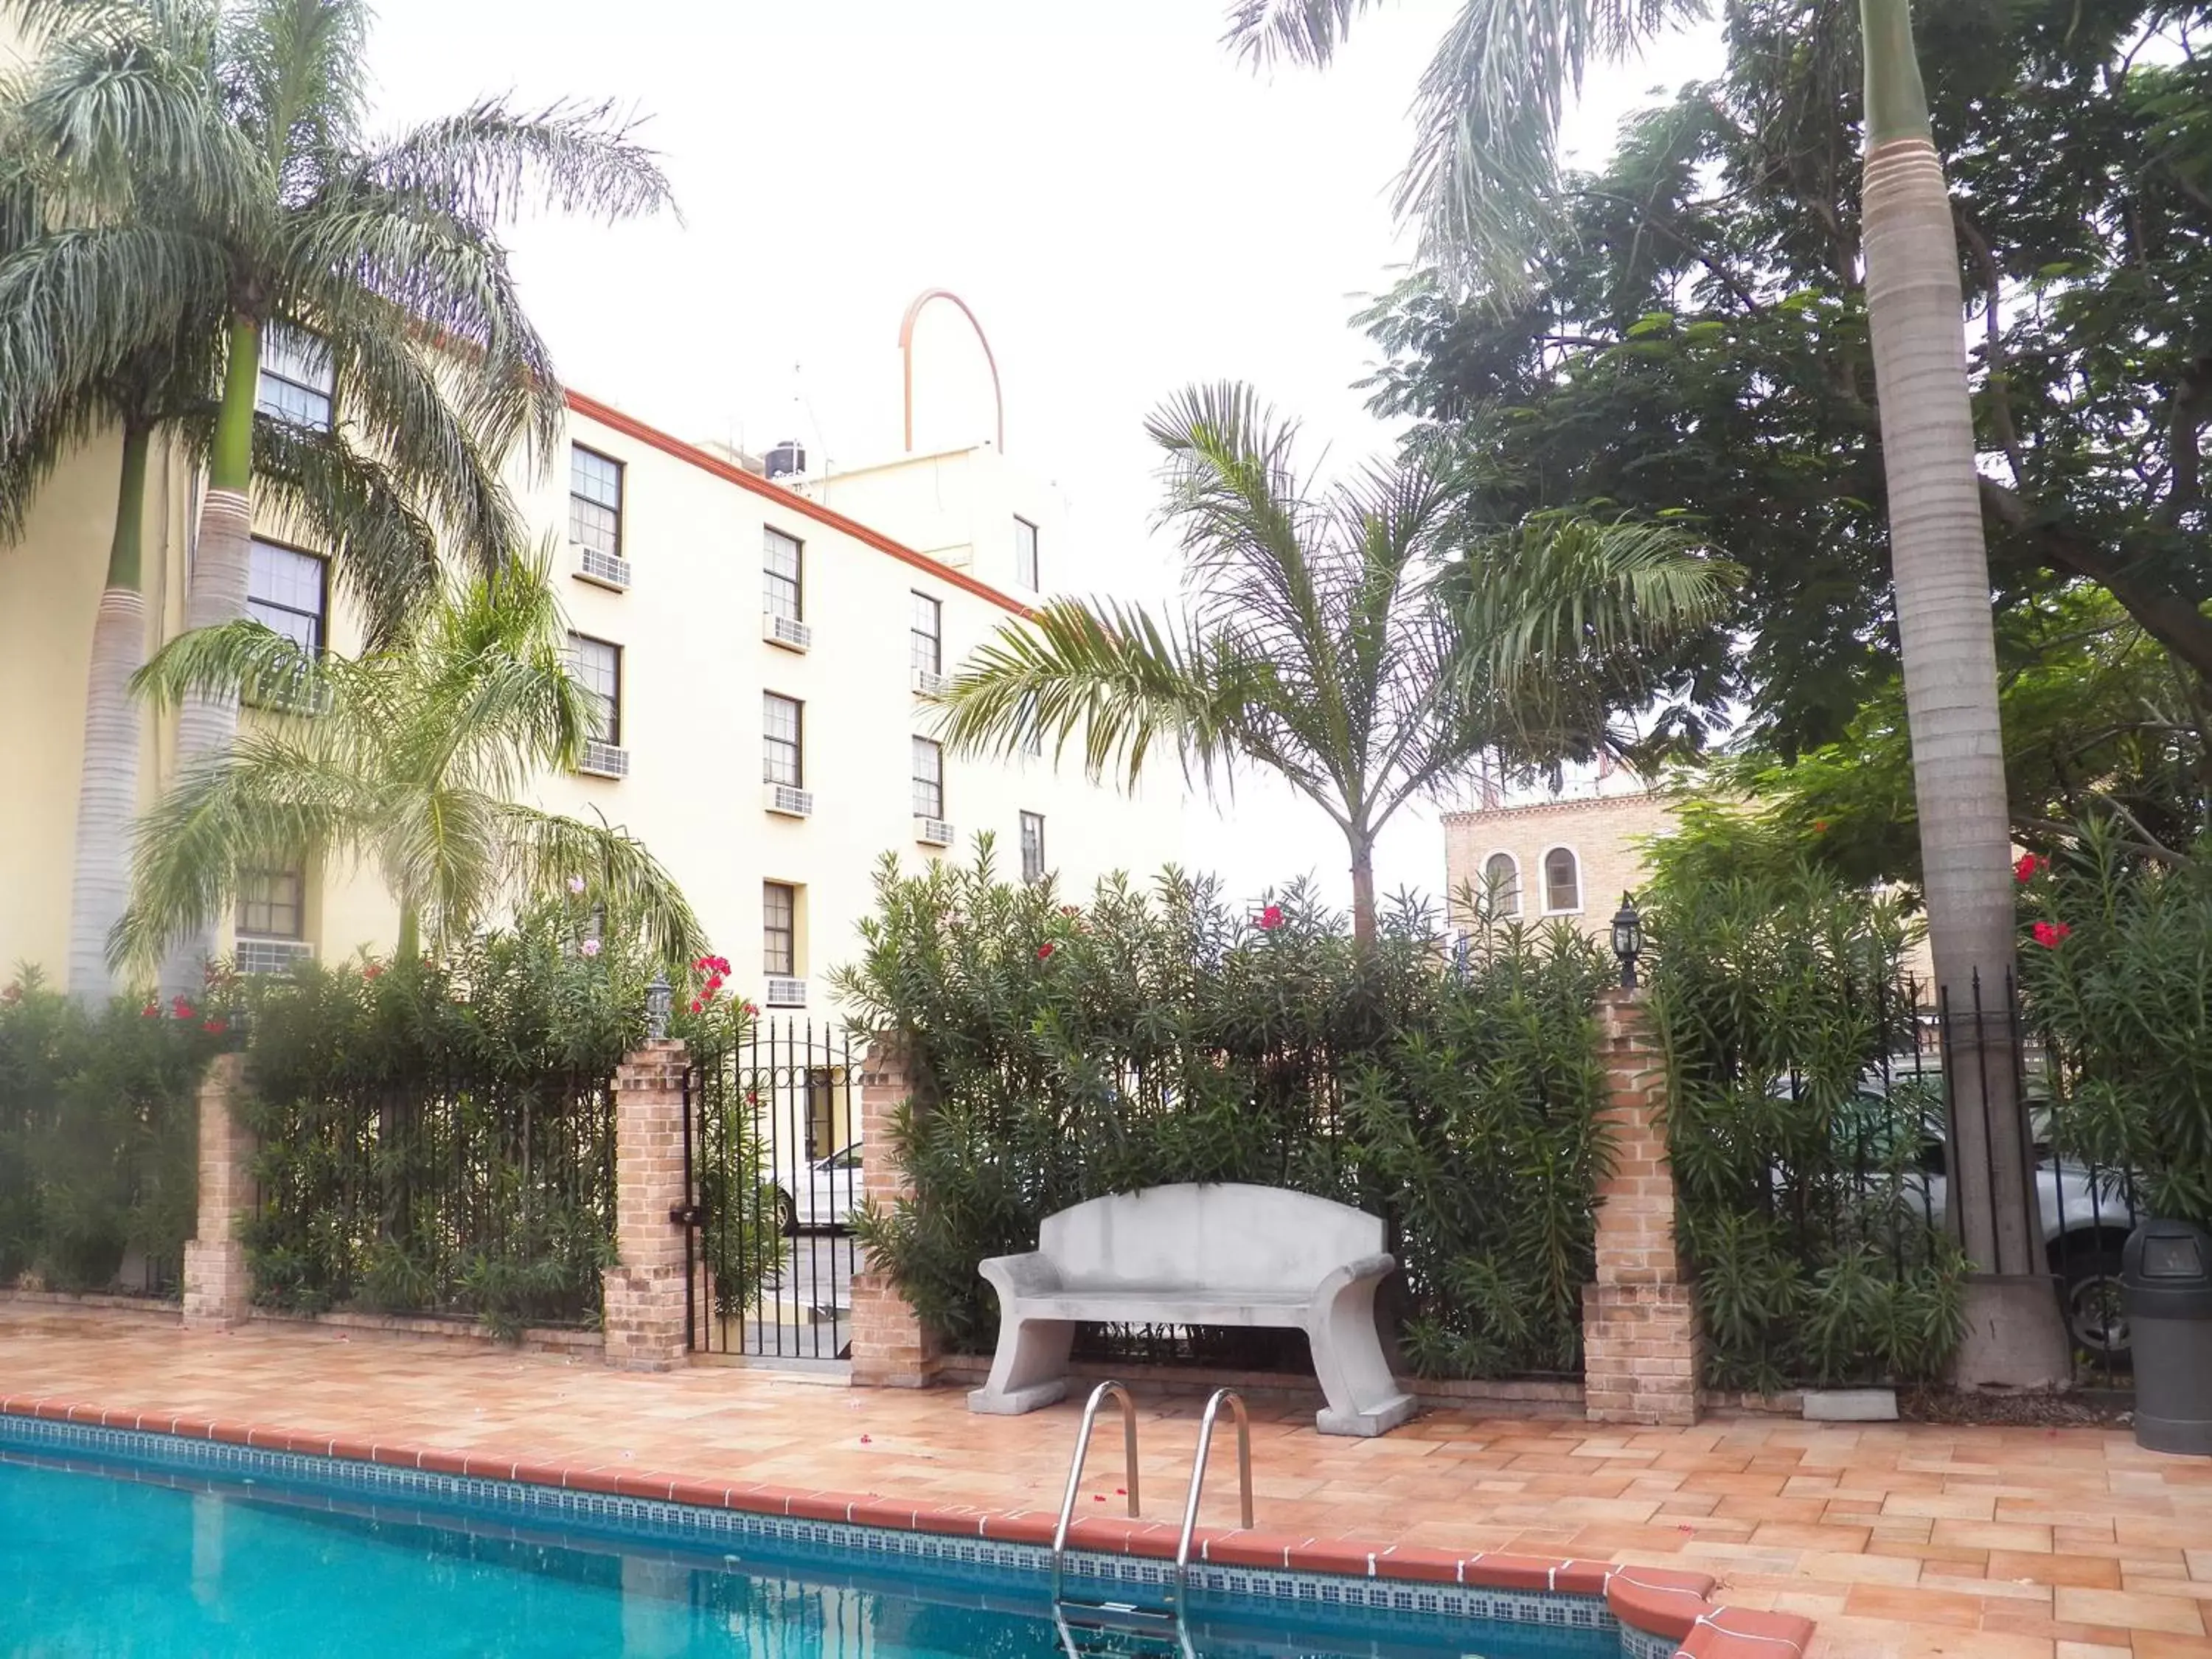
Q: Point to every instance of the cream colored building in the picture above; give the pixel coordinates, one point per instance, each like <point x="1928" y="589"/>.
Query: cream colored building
<point x="765" y="653"/>
<point x="1570" y="858"/>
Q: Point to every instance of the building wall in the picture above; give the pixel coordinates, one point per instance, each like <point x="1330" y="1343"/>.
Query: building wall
<point x="1602" y="832"/>
<point x="694" y="667"/>
<point x="959" y="507"/>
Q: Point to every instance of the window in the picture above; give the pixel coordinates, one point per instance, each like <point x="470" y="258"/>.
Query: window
<point x="926" y="634"/>
<point x="1563" y="881"/>
<point x="1032" y="846"/>
<point x="270" y="903"/>
<point x="1025" y="554"/>
<point x="779" y="929"/>
<point x="782" y="757"/>
<point x="780" y="588"/>
<point x="595" y="501"/>
<point x="822" y="1093"/>
<point x="596" y="666"/>
<point x="1501" y="885"/>
<point x="297" y="378"/>
<point x="290" y="592"/>
<point x="928" y="779"/>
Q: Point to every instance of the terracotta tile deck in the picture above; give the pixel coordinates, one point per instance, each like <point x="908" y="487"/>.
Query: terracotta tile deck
<point x="1900" y="1541"/>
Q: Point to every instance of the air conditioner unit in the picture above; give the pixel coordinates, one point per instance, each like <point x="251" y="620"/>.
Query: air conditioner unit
<point x="786" y="994"/>
<point x="604" y="760"/>
<point x="271" y="956"/>
<point x="786" y="631"/>
<point x="932" y="832"/>
<point x="601" y="570"/>
<point x="926" y="684"/>
<point x="791" y="803"/>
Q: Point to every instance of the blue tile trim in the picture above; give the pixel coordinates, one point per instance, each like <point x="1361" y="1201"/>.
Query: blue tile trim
<point x="656" y="1521"/>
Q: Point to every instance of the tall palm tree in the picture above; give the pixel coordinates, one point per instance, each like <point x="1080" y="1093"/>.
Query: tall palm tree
<point x="410" y="759"/>
<point x="245" y="119"/>
<point x="1345" y="639"/>
<point x="1483" y="172"/>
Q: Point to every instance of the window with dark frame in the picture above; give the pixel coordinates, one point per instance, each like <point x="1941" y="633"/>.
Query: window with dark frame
<point x="595" y="501"/>
<point x="780" y="589"/>
<point x="783" y="758"/>
<point x="298" y="380"/>
<point x="928" y="779"/>
<point x="272" y="903"/>
<point x="289" y="591"/>
<point x="926" y="634"/>
<point x="779" y="929"/>
<point x="1025" y="554"/>
<point x="1501" y="884"/>
<point x="822" y="1092"/>
<point x="1032" y="846"/>
<point x="596" y="665"/>
<point x="1563" y="881"/>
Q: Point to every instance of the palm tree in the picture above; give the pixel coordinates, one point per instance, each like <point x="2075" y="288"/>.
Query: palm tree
<point x="409" y="758"/>
<point x="243" y="119"/>
<point x="1483" y="171"/>
<point x="1345" y="639"/>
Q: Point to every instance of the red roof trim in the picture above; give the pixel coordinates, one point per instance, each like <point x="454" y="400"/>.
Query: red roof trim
<point x="631" y="426"/>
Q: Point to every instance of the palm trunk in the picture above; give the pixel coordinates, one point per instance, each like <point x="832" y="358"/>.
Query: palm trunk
<point x="1363" y="892"/>
<point x="222" y="563"/>
<point x="1949" y="652"/>
<point x="107" y="776"/>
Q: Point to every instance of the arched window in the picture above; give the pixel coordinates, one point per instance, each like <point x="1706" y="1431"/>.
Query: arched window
<point x="1563" y="881"/>
<point x="1501" y="885"/>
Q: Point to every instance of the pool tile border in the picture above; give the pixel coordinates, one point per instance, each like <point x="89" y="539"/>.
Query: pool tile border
<point x="1660" y="1615"/>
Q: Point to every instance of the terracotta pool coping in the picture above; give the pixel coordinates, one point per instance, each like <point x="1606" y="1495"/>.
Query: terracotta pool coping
<point x="1676" y="1605"/>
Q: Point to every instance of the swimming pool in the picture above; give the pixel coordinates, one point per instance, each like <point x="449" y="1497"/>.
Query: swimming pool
<point x="136" y="1546"/>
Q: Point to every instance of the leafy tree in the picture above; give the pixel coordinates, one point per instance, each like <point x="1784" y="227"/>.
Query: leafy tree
<point x="218" y="151"/>
<point x="1348" y="640"/>
<point x="411" y="758"/>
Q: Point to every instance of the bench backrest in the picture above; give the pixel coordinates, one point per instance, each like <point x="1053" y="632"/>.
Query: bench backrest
<point x="1218" y="1235"/>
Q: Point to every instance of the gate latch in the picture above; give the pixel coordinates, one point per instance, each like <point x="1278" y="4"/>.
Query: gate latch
<point x="688" y="1215"/>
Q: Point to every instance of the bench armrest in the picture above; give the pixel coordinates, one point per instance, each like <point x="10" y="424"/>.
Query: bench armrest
<point x="1381" y="1265"/>
<point x="1013" y="1276"/>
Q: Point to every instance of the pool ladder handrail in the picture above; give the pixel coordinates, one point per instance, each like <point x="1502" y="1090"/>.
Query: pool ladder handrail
<point x="1075" y="1467"/>
<point x="1213" y="1404"/>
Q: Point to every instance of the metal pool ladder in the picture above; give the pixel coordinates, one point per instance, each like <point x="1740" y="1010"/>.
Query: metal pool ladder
<point x="1124" y="1616"/>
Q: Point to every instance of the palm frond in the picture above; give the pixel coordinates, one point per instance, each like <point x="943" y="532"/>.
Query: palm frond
<point x="486" y="163"/>
<point x="246" y="659"/>
<point x="1263" y="32"/>
<point x="544" y="849"/>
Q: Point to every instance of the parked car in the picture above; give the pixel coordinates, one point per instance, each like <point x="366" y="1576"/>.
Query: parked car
<point x="2086" y="1217"/>
<point x="830" y="1193"/>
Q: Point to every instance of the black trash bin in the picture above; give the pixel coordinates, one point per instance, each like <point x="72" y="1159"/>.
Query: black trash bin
<point x="2165" y="1273"/>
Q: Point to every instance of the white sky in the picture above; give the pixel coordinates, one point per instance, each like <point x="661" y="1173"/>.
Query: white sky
<point x="1126" y="208"/>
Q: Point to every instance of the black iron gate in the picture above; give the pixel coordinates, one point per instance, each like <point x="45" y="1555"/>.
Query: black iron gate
<point x="772" y="1159"/>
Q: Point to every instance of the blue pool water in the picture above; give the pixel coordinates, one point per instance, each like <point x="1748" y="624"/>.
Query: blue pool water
<point x="105" y="1559"/>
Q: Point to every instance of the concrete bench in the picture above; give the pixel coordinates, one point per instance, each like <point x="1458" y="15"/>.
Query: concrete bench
<point x="1221" y="1254"/>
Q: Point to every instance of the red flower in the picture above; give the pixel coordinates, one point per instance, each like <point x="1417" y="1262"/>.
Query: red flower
<point x="1046" y="949"/>
<point x="151" y="1011"/>
<point x="696" y="1006"/>
<point x="750" y="1012"/>
<point x="215" y="1027"/>
<point x="374" y="970"/>
<point x="1270" y="919"/>
<point x="2029" y="868"/>
<point x="13" y="993"/>
<point x="1071" y="911"/>
<point x="1820" y="826"/>
<point x="181" y="1007"/>
<point x="2048" y="933"/>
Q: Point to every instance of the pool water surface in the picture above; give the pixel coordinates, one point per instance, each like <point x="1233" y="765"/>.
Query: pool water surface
<point x="103" y="1559"/>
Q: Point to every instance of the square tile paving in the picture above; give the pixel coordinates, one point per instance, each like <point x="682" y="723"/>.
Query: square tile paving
<point x="1901" y="1540"/>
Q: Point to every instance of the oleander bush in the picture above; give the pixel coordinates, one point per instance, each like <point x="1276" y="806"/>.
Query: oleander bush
<point x="1058" y="1052"/>
<point x="98" y="1137"/>
<point x="1801" y="1111"/>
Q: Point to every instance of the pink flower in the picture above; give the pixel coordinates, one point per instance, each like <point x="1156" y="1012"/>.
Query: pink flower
<point x="575" y="884"/>
<point x="13" y="993"/>
<point x="2048" y="933"/>
<point x="2029" y="868"/>
<point x="181" y="1007"/>
<point x="215" y="1027"/>
<point x="1045" y="949"/>
<point x="750" y="1012"/>
<point x="696" y="1006"/>
<point x="591" y="947"/>
<point x="151" y="1011"/>
<point x="1270" y="919"/>
<point x="374" y="970"/>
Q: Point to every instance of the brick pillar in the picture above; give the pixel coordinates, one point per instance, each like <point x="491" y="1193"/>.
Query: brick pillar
<point x="890" y="1347"/>
<point x="1639" y="1323"/>
<point x="644" y="1292"/>
<point x="218" y="1291"/>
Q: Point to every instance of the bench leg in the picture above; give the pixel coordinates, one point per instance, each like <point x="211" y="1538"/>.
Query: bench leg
<point x="1364" y="1398"/>
<point x="1030" y="1369"/>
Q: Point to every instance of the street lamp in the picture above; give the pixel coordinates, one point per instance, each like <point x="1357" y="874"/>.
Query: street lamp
<point x="657" y="999"/>
<point x="1627" y="940"/>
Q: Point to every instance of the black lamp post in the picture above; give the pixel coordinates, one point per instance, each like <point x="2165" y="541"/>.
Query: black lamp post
<point x="657" y="999"/>
<point x="1627" y="940"/>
